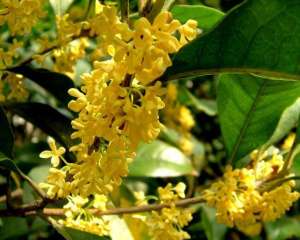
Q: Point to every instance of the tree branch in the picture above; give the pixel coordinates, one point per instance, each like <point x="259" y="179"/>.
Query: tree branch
<point x="33" y="209"/>
<point x="14" y="194"/>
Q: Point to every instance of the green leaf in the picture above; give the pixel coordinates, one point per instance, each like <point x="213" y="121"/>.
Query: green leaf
<point x="206" y="17"/>
<point x="55" y="83"/>
<point x="13" y="227"/>
<point x="212" y="229"/>
<point x="159" y="159"/>
<point x="6" y="136"/>
<point x="173" y="137"/>
<point x="202" y="105"/>
<point x="118" y="228"/>
<point x="284" y="228"/>
<point x="260" y="37"/>
<point x="288" y="120"/>
<point x="47" y="119"/>
<point x="60" y="6"/>
<point x="249" y="109"/>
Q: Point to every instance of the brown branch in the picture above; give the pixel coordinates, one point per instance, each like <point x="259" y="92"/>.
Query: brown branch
<point x="33" y="210"/>
<point x="14" y="194"/>
<point x="83" y="33"/>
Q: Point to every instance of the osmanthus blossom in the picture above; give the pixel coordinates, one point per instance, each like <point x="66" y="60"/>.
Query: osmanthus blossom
<point x="247" y="197"/>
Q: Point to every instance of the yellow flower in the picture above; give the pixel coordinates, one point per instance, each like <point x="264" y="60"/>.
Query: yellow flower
<point x="55" y="153"/>
<point x="168" y="223"/>
<point x="56" y="185"/>
<point x="288" y="142"/>
<point x="22" y="15"/>
<point x="244" y="198"/>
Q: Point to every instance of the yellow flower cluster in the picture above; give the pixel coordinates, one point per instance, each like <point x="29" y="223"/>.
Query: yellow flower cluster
<point x="65" y="58"/>
<point x="242" y="199"/>
<point x="78" y="215"/>
<point x="16" y="92"/>
<point x="119" y="100"/>
<point x="167" y="223"/>
<point x="178" y="117"/>
<point x="7" y="54"/>
<point x="20" y="15"/>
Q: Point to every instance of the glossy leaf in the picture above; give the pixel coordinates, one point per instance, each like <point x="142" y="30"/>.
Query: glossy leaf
<point x="206" y="17"/>
<point x="159" y="159"/>
<point x="260" y="37"/>
<point x="6" y="136"/>
<point x="55" y="83"/>
<point x="60" y="6"/>
<point x="46" y="118"/>
<point x="249" y="109"/>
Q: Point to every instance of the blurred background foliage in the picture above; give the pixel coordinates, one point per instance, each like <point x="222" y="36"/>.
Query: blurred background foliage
<point x="156" y="163"/>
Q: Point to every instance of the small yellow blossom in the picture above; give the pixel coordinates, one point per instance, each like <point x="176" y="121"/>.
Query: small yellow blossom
<point x="55" y="153"/>
<point x="288" y="142"/>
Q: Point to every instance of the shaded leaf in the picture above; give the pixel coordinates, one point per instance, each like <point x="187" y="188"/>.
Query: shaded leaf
<point x="46" y="118"/>
<point x="13" y="227"/>
<point x="212" y="229"/>
<point x="6" y="137"/>
<point x="202" y="105"/>
<point x="159" y="159"/>
<point x="206" y="17"/>
<point x="260" y="37"/>
<point x="250" y="108"/>
<point x="55" y="83"/>
<point x="7" y="164"/>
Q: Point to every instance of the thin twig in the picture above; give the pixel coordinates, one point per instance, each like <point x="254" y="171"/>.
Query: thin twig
<point x="34" y="186"/>
<point x="14" y="194"/>
<point x="33" y="210"/>
<point x="8" y="201"/>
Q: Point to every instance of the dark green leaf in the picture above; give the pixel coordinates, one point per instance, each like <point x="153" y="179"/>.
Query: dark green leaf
<point x="249" y="109"/>
<point x="6" y="136"/>
<point x="159" y="159"/>
<point x="202" y="105"/>
<point x="206" y="17"/>
<point x="13" y="227"/>
<point x="55" y="83"/>
<point x="8" y="164"/>
<point x="260" y="37"/>
<point x="46" y="118"/>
